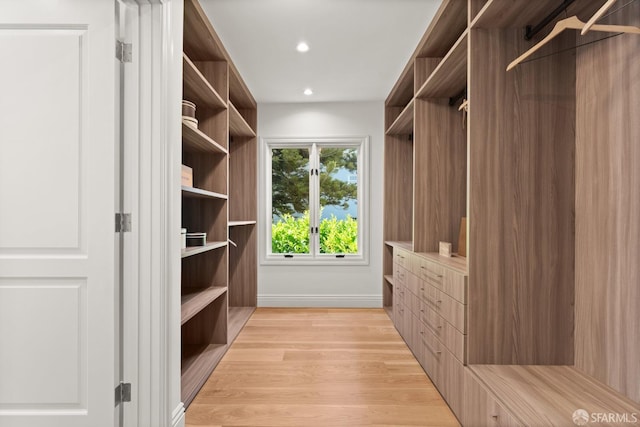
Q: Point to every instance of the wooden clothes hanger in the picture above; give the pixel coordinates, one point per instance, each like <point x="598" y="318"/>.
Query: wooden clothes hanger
<point x="575" y="24"/>
<point x="597" y="16"/>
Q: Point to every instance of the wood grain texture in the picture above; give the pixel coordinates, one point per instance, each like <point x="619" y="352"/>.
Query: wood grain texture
<point x="440" y="192"/>
<point x="243" y="267"/>
<point x="518" y="14"/>
<point x="445" y="28"/>
<point x="209" y="326"/>
<point x="424" y="67"/>
<point x="319" y="367"/>
<point x="239" y="93"/>
<point x="387" y="271"/>
<point x="196" y="141"/>
<point x="521" y="231"/>
<point x="206" y="216"/>
<point x="608" y="208"/>
<point x="449" y="78"/>
<point x="398" y="188"/>
<point x="481" y="408"/>
<point x="403" y="125"/>
<point x="238" y="126"/>
<point x="243" y="179"/>
<point x="548" y="395"/>
<point x="192" y="303"/>
<point x="198" y="361"/>
<point x="475" y="6"/>
<point x="205" y="270"/>
<point x="402" y="91"/>
<point x="199" y="89"/>
<point x="214" y="123"/>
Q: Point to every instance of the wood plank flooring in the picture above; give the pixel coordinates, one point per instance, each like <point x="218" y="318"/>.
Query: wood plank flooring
<point x="319" y="367"/>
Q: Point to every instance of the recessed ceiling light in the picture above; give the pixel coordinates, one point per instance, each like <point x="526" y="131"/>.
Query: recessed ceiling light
<point x="308" y="92"/>
<point x="302" y="47"/>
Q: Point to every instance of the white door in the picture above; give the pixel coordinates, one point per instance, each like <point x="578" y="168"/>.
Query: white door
<point x="57" y="204"/>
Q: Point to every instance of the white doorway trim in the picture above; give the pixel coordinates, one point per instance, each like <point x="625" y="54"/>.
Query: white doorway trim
<point x="151" y="331"/>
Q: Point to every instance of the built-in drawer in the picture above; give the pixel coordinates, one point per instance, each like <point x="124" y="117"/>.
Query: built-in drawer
<point x="451" y="310"/>
<point x="431" y="353"/>
<point x="448" y="281"/>
<point x="452" y="338"/>
<point x="399" y="274"/>
<point x="481" y="408"/>
<point x="402" y="258"/>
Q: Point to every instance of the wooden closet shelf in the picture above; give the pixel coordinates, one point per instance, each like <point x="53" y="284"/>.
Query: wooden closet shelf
<point x="194" y="140"/>
<point x="197" y="89"/>
<point x="445" y="28"/>
<point x="238" y="92"/>
<point x="238" y="126"/>
<point x="450" y="76"/>
<point x="194" y="302"/>
<point x="402" y="91"/>
<point x="201" y="194"/>
<point x="238" y="316"/>
<point x="195" y="250"/>
<point x="408" y="246"/>
<point x="403" y="125"/>
<point x="198" y="361"/>
<point x="455" y="262"/>
<point x="510" y="14"/>
<point x="389" y="278"/>
<point x="241" y="223"/>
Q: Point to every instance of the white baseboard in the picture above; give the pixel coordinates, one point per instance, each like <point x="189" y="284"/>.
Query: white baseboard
<point x="178" y="419"/>
<point x="338" y="301"/>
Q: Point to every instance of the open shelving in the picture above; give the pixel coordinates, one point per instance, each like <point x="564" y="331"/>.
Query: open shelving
<point x="192" y="303"/>
<point x="199" y="193"/>
<point x="219" y="281"/>
<point x="197" y="89"/>
<point x="403" y="125"/>
<point x="195" y="250"/>
<point x="194" y="140"/>
<point x="238" y="126"/>
<point x="450" y="76"/>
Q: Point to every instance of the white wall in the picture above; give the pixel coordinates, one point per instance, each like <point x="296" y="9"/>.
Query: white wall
<point x="327" y="286"/>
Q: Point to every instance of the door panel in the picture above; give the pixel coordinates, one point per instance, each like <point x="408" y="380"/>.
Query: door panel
<point x="57" y="193"/>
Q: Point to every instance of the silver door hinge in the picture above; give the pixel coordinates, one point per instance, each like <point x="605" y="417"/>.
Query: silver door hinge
<point x="123" y="393"/>
<point x="124" y="51"/>
<point x="123" y="222"/>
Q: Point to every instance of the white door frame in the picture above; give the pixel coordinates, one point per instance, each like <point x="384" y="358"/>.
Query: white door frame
<point x="151" y="310"/>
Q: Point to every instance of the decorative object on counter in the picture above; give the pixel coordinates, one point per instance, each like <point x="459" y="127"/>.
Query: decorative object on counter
<point x="189" y="114"/>
<point x="445" y="249"/>
<point x="196" y="239"/>
<point x="187" y="176"/>
<point x="183" y="238"/>
<point x="462" y="239"/>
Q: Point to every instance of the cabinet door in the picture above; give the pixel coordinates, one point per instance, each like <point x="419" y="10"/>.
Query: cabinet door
<point x="480" y="408"/>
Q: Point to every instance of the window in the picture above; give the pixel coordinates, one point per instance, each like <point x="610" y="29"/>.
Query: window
<point x="315" y="200"/>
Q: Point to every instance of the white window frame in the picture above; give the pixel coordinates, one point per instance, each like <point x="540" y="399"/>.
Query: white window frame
<point x="361" y="143"/>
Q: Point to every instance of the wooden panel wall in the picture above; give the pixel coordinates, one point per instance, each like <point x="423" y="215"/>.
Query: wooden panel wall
<point x="608" y="208"/>
<point x="521" y="230"/>
<point x="440" y="155"/>
<point x="243" y="267"/>
<point x="398" y="188"/>
<point x="243" y="179"/>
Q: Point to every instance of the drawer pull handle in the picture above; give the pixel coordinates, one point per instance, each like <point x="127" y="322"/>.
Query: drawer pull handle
<point x="422" y="289"/>
<point x="422" y="310"/>
<point x="495" y="417"/>
<point x="436" y="353"/>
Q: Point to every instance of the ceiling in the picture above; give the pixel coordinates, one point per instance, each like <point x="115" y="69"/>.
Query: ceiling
<point x="358" y="48"/>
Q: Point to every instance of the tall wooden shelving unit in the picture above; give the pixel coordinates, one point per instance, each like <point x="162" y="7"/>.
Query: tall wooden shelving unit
<point x="546" y="302"/>
<point x="219" y="279"/>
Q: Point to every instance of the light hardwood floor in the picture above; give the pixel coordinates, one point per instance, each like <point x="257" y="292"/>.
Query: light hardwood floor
<point x="319" y="367"/>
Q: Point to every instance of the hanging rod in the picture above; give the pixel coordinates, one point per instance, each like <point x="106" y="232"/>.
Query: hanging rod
<point x="532" y="31"/>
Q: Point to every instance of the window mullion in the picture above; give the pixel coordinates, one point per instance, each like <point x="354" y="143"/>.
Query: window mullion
<point x="314" y="202"/>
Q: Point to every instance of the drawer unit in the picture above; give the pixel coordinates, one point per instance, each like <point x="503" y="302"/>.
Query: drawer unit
<point x="448" y="281"/>
<point x="445" y="371"/>
<point x="481" y="408"/>
<point x="402" y="258"/>
<point x="452" y="338"/>
<point x="451" y="310"/>
<point x="399" y="274"/>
